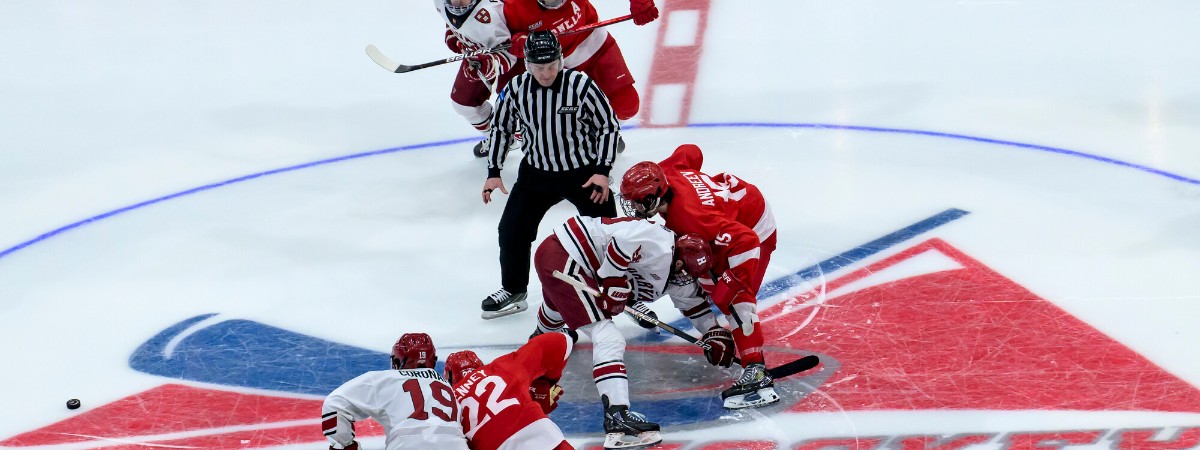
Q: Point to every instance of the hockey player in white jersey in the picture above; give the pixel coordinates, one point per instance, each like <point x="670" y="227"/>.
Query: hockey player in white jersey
<point x="473" y="25"/>
<point x="413" y="403"/>
<point x="624" y="259"/>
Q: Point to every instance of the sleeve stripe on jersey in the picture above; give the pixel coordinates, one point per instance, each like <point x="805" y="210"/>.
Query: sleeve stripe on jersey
<point x="329" y="424"/>
<point x="698" y="311"/>
<point x="738" y="259"/>
<point x="584" y="244"/>
<point x="617" y="257"/>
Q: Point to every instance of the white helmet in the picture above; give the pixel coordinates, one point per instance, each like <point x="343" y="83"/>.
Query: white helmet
<point x="551" y="4"/>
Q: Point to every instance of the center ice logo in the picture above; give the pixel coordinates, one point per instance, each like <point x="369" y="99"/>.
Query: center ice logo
<point x="926" y="329"/>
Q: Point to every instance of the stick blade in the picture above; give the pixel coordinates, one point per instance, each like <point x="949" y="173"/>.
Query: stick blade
<point x="794" y="367"/>
<point x="383" y="60"/>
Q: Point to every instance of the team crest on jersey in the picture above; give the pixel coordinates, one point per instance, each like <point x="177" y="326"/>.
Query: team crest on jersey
<point x="483" y="16"/>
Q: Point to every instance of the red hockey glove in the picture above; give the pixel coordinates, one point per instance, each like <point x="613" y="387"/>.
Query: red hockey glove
<point x="518" y="45"/>
<point x="614" y="292"/>
<point x="720" y="349"/>
<point x="452" y="41"/>
<point x="353" y="446"/>
<point x="546" y="393"/>
<point x="730" y="290"/>
<point x="481" y="67"/>
<point x="643" y="11"/>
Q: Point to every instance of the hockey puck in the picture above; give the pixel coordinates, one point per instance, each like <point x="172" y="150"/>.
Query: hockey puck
<point x="73" y="403"/>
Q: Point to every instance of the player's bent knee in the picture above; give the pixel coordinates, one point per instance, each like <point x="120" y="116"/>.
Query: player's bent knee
<point x="625" y="102"/>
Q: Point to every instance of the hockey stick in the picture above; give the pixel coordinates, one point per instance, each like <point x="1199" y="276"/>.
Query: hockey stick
<point x="392" y="66"/>
<point x="787" y="369"/>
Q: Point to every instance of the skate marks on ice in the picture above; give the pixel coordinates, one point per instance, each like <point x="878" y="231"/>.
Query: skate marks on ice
<point x="674" y="386"/>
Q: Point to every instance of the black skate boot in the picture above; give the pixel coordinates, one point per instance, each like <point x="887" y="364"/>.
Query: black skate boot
<point x="502" y="303"/>
<point x="481" y="148"/>
<point x="626" y="429"/>
<point x="754" y="388"/>
<point x="564" y="330"/>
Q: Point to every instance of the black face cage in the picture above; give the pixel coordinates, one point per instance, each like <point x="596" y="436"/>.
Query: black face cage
<point x="648" y="205"/>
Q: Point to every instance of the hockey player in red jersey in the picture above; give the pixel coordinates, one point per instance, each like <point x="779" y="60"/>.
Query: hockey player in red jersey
<point x="413" y="403"/>
<point x="624" y="260"/>
<point x="730" y="215"/>
<point x="594" y="52"/>
<point x="473" y="25"/>
<point x="503" y="405"/>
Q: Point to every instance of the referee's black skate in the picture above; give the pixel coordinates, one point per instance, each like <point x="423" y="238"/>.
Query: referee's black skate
<point x="625" y="429"/>
<point x="503" y="303"/>
<point x="481" y="148"/>
<point x="754" y="388"/>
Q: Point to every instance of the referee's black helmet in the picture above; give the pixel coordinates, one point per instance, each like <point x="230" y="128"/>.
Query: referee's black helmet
<point x="542" y="48"/>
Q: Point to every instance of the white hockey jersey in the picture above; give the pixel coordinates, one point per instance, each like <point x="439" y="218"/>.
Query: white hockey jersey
<point x="482" y="28"/>
<point x="622" y="246"/>
<point x="415" y="406"/>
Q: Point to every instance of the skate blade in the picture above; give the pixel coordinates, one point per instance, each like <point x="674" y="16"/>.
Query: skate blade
<point x="763" y="397"/>
<point x="507" y="311"/>
<point x="622" y="440"/>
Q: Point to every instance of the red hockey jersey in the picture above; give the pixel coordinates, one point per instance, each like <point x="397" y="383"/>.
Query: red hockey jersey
<point x="523" y="16"/>
<point x="723" y="209"/>
<point x="494" y="405"/>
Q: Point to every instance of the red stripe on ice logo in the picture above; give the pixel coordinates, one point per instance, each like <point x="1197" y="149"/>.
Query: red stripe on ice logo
<point x="177" y="415"/>
<point x="931" y="328"/>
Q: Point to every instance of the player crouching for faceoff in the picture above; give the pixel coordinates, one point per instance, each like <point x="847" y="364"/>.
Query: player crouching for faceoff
<point x="624" y="259"/>
<point x="503" y="405"/>
<point x="734" y="228"/>
<point x="413" y="403"/>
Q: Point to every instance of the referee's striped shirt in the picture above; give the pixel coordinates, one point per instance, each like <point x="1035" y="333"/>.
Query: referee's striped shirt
<point x="569" y="125"/>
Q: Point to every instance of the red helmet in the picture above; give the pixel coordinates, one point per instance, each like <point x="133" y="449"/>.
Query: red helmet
<point x="460" y="364"/>
<point x="413" y="351"/>
<point x="693" y="250"/>
<point x="642" y="188"/>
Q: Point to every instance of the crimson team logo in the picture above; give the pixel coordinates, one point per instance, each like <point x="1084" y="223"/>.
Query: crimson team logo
<point x="929" y="328"/>
<point x="483" y="16"/>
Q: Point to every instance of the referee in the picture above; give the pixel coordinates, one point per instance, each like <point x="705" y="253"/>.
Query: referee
<point x="571" y="135"/>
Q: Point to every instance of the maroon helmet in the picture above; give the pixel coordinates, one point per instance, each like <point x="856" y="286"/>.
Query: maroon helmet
<point x="460" y="364"/>
<point x="413" y="351"/>
<point x="693" y="250"/>
<point x="642" y="189"/>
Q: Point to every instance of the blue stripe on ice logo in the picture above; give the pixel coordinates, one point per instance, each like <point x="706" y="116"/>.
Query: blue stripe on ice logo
<point x="249" y="354"/>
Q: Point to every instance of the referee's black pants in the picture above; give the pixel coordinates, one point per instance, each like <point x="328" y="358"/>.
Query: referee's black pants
<point x="534" y="193"/>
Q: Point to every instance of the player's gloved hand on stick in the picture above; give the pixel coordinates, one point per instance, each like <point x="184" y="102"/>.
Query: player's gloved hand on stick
<point x="452" y="41"/>
<point x="730" y="290"/>
<point x="481" y="67"/>
<point x="546" y="393"/>
<point x="643" y="11"/>
<point x="518" y="45"/>
<point x="720" y="349"/>
<point x="614" y="292"/>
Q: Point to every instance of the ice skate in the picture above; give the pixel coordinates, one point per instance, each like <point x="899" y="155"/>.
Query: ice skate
<point x="625" y="429"/>
<point x="481" y="148"/>
<point x="503" y="303"/>
<point x="753" y="389"/>
<point x="567" y="331"/>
